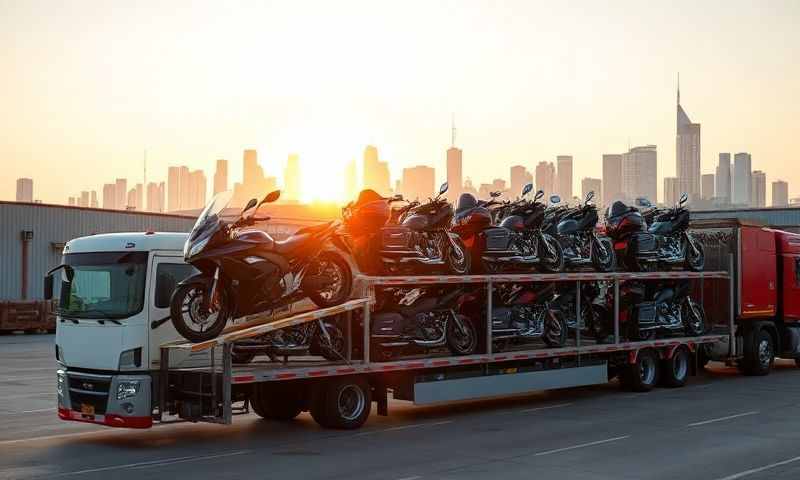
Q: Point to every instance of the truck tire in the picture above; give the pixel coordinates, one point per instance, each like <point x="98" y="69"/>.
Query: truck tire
<point x="342" y="403"/>
<point x="642" y="375"/>
<point x="675" y="370"/>
<point x="759" y="353"/>
<point x="273" y="402"/>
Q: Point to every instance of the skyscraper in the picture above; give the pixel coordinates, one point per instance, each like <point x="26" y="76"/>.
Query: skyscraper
<point x="723" y="179"/>
<point x="351" y="180"/>
<point x="418" y="182"/>
<point x="593" y="185"/>
<point x="25" y="190"/>
<point x="742" y="166"/>
<point x="291" y="179"/>
<point x="758" y="190"/>
<point x="121" y="189"/>
<point x="83" y="200"/>
<point x="197" y="190"/>
<point x="173" y="189"/>
<point x="639" y="173"/>
<point x="671" y="191"/>
<point x="687" y="147"/>
<point x="221" y="176"/>
<point x="376" y="172"/>
<point x="254" y="183"/>
<point x="109" y="196"/>
<point x="454" y="173"/>
<point x="564" y="176"/>
<point x="545" y="179"/>
<point x="707" y="184"/>
<point x="612" y="178"/>
<point x="520" y="176"/>
<point x="155" y="197"/>
<point x="780" y="193"/>
<point x="93" y="200"/>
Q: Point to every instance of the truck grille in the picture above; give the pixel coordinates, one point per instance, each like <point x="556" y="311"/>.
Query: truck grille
<point x="89" y="391"/>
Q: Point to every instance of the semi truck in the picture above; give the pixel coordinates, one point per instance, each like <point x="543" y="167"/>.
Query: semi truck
<point x="121" y="363"/>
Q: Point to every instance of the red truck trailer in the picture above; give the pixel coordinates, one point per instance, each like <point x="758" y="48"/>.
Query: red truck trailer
<point x="764" y="266"/>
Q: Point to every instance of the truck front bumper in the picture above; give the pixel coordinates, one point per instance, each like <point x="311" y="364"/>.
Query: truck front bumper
<point x="113" y="400"/>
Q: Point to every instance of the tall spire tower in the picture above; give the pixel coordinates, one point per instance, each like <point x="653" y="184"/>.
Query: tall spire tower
<point x="687" y="150"/>
<point x="454" y="170"/>
<point x="453" y="130"/>
<point x="679" y="88"/>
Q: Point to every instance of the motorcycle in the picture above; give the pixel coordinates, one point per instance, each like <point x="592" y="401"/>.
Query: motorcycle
<point x="323" y="338"/>
<point x="596" y="320"/>
<point x="243" y="271"/>
<point x="524" y="312"/>
<point x="664" y="243"/>
<point x="422" y="318"/>
<point x="415" y="239"/>
<point x="517" y="243"/>
<point x="647" y="310"/>
<point x="574" y="228"/>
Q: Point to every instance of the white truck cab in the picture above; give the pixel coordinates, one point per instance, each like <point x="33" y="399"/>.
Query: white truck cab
<point x="113" y="293"/>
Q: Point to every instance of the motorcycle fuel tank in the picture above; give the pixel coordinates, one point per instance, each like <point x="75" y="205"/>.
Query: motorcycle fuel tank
<point x="513" y="222"/>
<point x="416" y="222"/>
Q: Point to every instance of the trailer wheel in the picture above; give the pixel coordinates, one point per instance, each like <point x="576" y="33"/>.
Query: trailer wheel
<point x="675" y="370"/>
<point x="342" y="403"/>
<point x="276" y="402"/>
<point x="642" y="375"/>
<point x="759" y="353"/>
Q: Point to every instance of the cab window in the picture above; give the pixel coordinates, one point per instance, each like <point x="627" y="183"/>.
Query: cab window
<point x="168" y="275"/>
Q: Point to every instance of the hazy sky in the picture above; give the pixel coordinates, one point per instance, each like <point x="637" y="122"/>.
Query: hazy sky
<point x="86" y="86"/>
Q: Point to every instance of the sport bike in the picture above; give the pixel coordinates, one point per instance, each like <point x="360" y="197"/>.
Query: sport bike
<point x="243" y="270"/>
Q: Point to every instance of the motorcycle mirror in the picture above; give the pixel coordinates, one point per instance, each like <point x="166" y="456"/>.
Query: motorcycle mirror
<point x="538" y="195"/>
<point x="494" y="194"/>
<point x="443" y="188"/>
<point x="527" y="189"/>
<point x="397" y="198"/>
<point x="555" y="199"/>
<point x="589" y="196"/>
<point x="684" y="198"/>
<point x="272" y="196"/>
<point x="252" y="203"/>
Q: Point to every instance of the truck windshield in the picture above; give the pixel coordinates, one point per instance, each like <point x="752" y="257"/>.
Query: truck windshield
<point x="104" y="285"/>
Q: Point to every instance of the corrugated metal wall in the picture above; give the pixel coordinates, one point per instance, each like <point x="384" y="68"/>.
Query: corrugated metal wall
<point x="783" y="218"/>
<point x="56" y="225"/>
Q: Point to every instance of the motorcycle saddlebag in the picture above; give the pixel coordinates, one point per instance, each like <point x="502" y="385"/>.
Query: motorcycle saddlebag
<point x="395" y="238"/>
<point x="496" y="239"/>
<point x="646" y="314"/>
<point x="642" y="243"/>
<point x="387" y="323"/>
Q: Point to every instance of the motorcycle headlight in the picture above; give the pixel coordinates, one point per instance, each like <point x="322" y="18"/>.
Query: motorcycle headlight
<point x="127" y="389"/>
<point x="197" y="247"/>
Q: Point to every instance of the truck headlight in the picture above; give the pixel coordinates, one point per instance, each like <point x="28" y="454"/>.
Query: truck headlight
<point x="60" y="382"/>
<point x="127" y="389"/>
<point x="130" y="358"/>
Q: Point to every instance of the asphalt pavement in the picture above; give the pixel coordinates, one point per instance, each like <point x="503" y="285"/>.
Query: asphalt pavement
<point x="720" y="426"/>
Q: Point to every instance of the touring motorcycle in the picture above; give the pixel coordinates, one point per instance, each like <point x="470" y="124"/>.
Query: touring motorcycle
<point x="574" y="228"/>
<point x="416" y="240"/>
<point x="422" y="318"/>
<point x="243" y="271"/>
<point x="664" y="243"/>
<point x="322" y="337"/>
<point x="596" y="320"/>
<point x="666" y="308"/>
<point x="517" y="243"/>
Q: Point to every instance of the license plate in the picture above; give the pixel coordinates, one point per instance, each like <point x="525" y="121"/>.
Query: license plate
<point x="87" y="409"/>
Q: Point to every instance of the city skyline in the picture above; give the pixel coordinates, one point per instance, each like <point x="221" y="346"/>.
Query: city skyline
<point x="540" y="80"/>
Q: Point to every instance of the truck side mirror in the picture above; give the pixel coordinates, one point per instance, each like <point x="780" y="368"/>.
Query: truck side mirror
<point x="48" y="287"/>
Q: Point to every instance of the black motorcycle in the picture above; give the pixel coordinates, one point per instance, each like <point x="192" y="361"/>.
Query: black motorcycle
<point x="516" y="244"/>
<point x="243" y="271"/>
<point x="574" y="228"/>
<point x="524" y="312"/>
<point x="596" y="319"/>
<point x="422" y="319"/>
<point x="647" y="310"/>
<point x="322" y="337"/>
<point x="666" y="242"/>
<point x="413" y="239"/>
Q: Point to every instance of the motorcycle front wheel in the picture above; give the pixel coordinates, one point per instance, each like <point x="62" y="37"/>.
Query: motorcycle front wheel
<point x="461" y="342"/>
<point x="194" y="322"/>
<point x="695" y="261"/>
<point x="555" y="330"/>
<point x="694" y="318"/>
<point x="339" y="280"/>
<point x="551" y="260"/>
<point x="603" y="259"/>
<point x="458" y="258"/>
<point x="333" y="350"/>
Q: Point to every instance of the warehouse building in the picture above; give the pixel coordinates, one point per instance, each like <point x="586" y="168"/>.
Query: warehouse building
<point x="781" y="218"/>
<point x="32" y="237"/>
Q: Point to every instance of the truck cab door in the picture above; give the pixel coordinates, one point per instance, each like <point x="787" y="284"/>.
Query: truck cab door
<point x="167" y="272"/>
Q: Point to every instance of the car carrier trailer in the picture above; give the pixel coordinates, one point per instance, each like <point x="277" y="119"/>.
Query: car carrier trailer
<point x="340" y="394"/>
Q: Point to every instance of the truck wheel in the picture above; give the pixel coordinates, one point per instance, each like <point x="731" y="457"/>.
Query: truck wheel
<point x="342" y="403"/>
<point x="675" y="370"/>
<point x="759" y="353"/>
<point x="642" y="375"/>
<point x="274" y="402"/>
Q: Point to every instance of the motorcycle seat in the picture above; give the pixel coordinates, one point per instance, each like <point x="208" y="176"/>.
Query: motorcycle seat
<point x="291" y="243"/>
